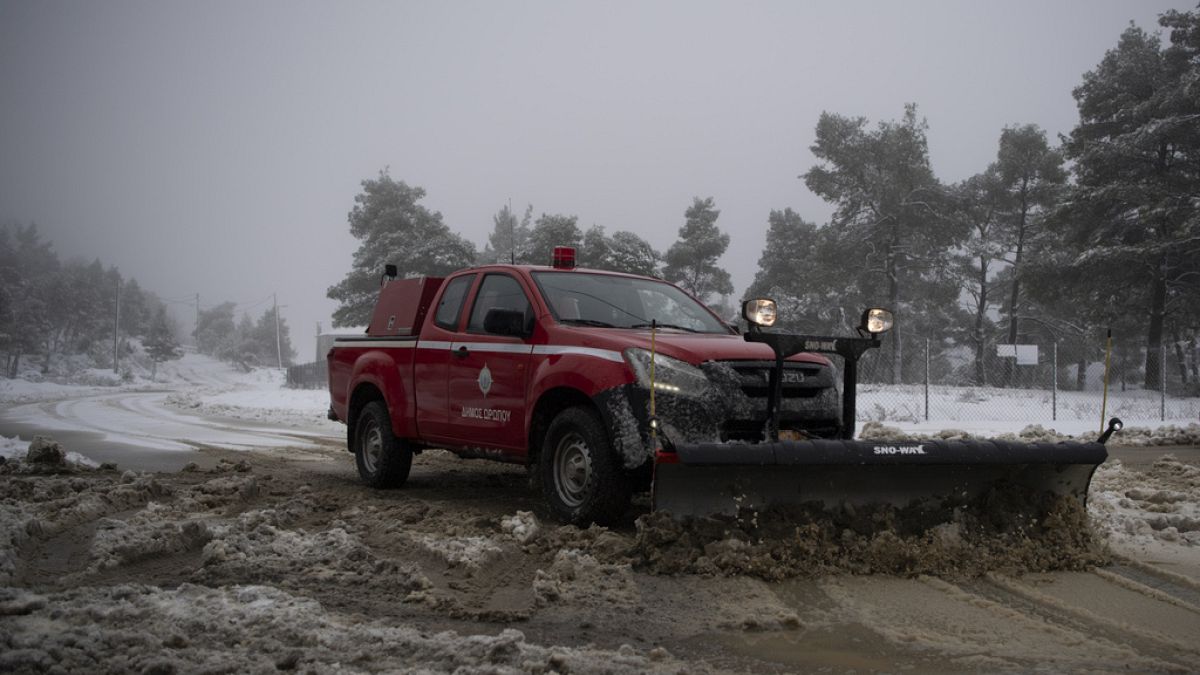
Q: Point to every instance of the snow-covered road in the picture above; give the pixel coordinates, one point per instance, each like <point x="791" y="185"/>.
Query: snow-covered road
<point x="198" y="402"/>
<point x="143" y="419"/>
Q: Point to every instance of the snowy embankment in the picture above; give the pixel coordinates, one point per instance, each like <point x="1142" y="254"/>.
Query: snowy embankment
<point x="261" y="396"/>
<point x="996" y="410"/>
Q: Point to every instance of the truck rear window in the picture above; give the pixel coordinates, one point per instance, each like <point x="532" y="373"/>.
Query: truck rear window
<point x="450" y="306"/>
<point x="623" y="302"/>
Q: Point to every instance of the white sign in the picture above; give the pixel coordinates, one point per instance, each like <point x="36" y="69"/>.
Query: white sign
<point x="1026" y="355"/>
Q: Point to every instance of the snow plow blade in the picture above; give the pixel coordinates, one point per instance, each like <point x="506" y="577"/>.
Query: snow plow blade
<point x="712" y="479"/>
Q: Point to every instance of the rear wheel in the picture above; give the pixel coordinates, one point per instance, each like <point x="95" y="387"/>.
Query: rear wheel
<point x="383" y="460"/>
<point x="580" y="475"/>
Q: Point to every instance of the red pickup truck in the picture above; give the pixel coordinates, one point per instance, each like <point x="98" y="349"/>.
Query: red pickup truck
<point x="551" y="367"/>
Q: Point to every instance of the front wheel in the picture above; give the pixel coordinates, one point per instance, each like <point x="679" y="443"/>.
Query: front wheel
<point x="383" y="460"/>
<point x="581" y="476"/>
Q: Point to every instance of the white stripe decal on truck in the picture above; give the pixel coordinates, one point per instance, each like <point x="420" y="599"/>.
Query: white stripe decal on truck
<point x="372" y="344"/>
<point x="555" y="350"/>
<point x="493" y="347"/>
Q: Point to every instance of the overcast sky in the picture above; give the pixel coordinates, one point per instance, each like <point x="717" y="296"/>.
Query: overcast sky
<point x="216" y="147"/>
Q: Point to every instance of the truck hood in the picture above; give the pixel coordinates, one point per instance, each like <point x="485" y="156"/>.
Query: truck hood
<point x="696" y="348"/>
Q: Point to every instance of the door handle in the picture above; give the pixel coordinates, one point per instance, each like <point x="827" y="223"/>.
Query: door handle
<point x="461" y="352"/>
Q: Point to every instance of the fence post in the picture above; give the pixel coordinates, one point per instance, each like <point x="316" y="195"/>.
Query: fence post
<point x="1054" y="387"/>
<point x="926" y="379"/>
<point x="1162" y="380"/>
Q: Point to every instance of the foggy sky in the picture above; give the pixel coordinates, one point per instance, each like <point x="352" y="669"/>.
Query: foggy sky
<point x="216" y="147"/>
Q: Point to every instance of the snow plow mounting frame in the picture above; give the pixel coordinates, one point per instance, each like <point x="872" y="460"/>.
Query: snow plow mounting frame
<point x="784" y="345"/>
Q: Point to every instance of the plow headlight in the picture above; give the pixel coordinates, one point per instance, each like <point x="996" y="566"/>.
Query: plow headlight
<point x="760" y="311"/>
<point x="876" y="320"/>
<point x="671" y="376"/>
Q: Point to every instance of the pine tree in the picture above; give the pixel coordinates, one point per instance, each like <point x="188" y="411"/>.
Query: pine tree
<point x="550" y="231"/>
<point x="215" y="330"/>
<point x="887" y="214"/>
<point x="692" y="259"/>
<point x="798" y="270"/>
<point x="509" y="240"/>
<point x="631" y="254"/>
<point x="1032" y="177"/>
<point x="393" y="228"/>
<point x="28" y="270"/>
<point x="160" y="342"/>
<point x="978" y="203"/>
<point x="1136" y="154"/>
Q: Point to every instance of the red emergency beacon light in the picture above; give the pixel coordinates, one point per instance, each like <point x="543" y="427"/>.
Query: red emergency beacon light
<point x="564" y="258"/>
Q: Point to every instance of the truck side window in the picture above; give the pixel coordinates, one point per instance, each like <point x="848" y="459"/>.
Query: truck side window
<point x="498" y="291"/>
<point x="450" y="306"/>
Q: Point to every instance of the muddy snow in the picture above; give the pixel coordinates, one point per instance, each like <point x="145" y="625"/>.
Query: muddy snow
<point x="283" y="561"/>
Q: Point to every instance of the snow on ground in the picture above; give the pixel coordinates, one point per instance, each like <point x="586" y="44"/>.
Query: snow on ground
<point x="995" y="410"/>
<point x="203" y="385"/>
<point x="1143" y="510"/>
<point x="262" y="396"/>
<point x="15" y="448"/>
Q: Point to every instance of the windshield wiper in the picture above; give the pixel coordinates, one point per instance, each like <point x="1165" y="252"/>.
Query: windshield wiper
<point x="587" y="322"/>
<point x="665" y="325"/>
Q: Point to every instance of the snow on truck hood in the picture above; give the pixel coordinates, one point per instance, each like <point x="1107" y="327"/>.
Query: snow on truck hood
<point x="695" y="348"/>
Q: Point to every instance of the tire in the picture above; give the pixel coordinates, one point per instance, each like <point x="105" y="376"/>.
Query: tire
<point x="383" y="460"/>
<point x="582" y="478"/>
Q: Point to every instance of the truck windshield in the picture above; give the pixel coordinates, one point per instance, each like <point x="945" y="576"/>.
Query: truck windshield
<point x="606" y="300"/>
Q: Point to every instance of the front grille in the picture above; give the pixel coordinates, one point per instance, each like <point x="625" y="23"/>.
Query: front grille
<point x="800" y="380"/>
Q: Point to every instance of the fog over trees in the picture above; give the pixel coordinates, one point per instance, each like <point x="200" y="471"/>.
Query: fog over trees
<point x="52" y="309"/>
<point x="1051" y="241"/>
<point x="1051" y="238"/>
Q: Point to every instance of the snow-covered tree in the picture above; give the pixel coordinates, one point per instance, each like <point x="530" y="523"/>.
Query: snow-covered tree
<point x="160" y="342"/>
<point x="509" y="240"/>
<point x="631" y="254"/>
<point x="979" y="203"/>
<point x="887" y="211"/>
<point x="1136" y="153"/>
<point x="28" y="267"/>
<point x="800" y="269"/>
<point x="595" y="251"/>
<point x="215" y="329"/>
<point x="393" y="228"/>
<point x="553" y="230"/>
<point x="1032" y="177"/>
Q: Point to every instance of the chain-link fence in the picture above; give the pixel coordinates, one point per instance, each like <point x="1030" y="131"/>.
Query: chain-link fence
<point x="1030" y="383"/>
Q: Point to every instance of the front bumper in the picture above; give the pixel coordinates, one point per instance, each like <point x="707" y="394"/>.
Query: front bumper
<point x="733" y="407"/>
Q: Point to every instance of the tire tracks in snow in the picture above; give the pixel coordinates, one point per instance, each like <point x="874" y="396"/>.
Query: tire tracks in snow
<point x="1103" y="620"/>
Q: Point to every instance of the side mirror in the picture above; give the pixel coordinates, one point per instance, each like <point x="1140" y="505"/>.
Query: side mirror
<point x="509" y="322"/>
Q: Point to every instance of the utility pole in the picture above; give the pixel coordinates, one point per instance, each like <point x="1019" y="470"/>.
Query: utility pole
<point x="278" y="348"/>
<point x="196" y="326"/>
<point x="116" y="326"/>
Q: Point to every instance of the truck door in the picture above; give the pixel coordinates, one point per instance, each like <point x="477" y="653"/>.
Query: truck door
<point x="431" y="364"/>
<point x="488" y="373"/>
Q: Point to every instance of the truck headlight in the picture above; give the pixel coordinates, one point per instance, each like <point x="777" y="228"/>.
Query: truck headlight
<point x="760" y="311"/>
<point x="876" y="320"/>
<point x="670" y="375"/>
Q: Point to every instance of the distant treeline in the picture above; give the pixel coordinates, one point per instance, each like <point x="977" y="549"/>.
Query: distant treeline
<point x="243" y="341"/>
<point x="1050" y="243"/>
<point x="50" y="308"/>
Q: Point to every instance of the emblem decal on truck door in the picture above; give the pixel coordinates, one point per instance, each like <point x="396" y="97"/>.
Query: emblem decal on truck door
<point x="485" y="380"/>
